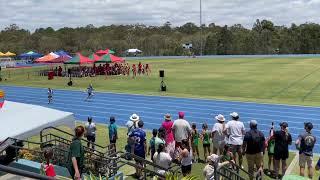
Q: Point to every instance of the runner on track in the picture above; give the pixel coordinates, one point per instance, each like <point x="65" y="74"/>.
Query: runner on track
<point x="50" y="95"/>
<point x="90" y="92"/>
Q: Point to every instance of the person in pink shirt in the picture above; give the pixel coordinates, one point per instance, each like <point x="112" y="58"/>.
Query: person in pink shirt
<point x="170" y="143"/>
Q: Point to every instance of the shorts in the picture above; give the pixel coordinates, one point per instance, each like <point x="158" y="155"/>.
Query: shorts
<point x="218" y="144"/>
<point x="113" y="141"/>
<point x="138" y="161"/>
<point x="206" y="145"/>
<point x="49" y="97"/>
<point x="236" y="149"/>
<point x="303" y="159"/>
<point x="186" y="169"/>
<point x="91" y="138"/>
<point x="281" y="155"/>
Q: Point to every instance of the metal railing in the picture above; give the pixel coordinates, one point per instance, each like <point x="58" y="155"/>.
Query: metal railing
<point x="23" y="173"/>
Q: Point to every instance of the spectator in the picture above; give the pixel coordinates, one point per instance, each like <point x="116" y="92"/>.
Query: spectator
<point x="47" y="167"/>
<point x="181" y="129"/>
<point x="318" y="165"/>
<point x="132" y="124"/>
<point x="270" y="147"/>
<point x="161" y="138"/>
<point x="235" y="130"/>
<point x="218" y="137"/>
<point x="152" y="147"/>
<point x="170" y="144"/>
<point x="213" y="160"/>
<point x="139" y="146"/>
<point x="90" y="132"/>
<point x="281" y="149"/>
<point x="205" y="136"/>
<point x="113" y="132"/>
<point x="185" y="157"/>
<point x="305" y="144"/>
<point x="253" y="146"/>
<point x="195" y="142"/>
<point x="162" y="158"/>
<point x="76" y="154"/>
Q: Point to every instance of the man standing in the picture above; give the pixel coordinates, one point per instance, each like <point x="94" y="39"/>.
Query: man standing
<point x="305" y="144"/>
<point x="281" y="149"/>
<point x="235" y="130"/>
<point x="90" y="132"/>
<point x="253" y="146"/>
<point x="181" y="129"/>
<point x="218" y="135"/>
<point x="139" y="146"/>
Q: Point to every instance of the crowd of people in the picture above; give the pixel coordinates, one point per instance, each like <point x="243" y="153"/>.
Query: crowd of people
<point x="177" y="142"/>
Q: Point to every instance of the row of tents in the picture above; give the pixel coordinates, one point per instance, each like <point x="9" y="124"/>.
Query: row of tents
<point x="101" y="56"/>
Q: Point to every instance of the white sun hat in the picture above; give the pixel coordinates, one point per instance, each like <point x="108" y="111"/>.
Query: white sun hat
<point x="134" y="117"/>
<point x="234" y="115"/>
<point x="220" y="117"/>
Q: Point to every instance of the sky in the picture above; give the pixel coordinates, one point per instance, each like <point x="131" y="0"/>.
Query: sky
<point x="32" y="14"/>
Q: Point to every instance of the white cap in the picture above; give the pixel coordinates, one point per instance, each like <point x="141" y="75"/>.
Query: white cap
<point x="234" y="115"/>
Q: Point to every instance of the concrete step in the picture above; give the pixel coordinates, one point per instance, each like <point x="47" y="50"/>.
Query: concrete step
<point x="13" y="177"/>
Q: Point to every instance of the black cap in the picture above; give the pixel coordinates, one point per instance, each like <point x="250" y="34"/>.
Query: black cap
<point x="112" y="119"/>
<point x="89" y="118"/>
<point x="284" y="124"/>
<point x="140" y="123"/>
<point x="308" y="125"/>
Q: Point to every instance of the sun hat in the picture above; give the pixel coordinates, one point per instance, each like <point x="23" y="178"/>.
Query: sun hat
<point x="134" y="117"/>
<point x="167" y="117"/>
<point x="234" y="115"/>
<point x="220" y="117"/>
<point x="213" y="158"/>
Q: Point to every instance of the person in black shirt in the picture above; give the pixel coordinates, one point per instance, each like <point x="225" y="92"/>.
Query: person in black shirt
<point x="281" y="149"/>
<point x="253" y="146"/>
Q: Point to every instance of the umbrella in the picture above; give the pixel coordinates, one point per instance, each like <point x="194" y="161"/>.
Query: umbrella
<point x="103" y="52"/>
<point x="79" y="59"/>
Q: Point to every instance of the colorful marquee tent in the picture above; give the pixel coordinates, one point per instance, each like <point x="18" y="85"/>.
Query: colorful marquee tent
<point x="79" y="59"/>
<point x="108" y="58"/>
<point x="1" y="54"/>
<point x="30" y="55"/>
<point x="63" y="57"/>
<point x="116" y="58"/>
<point x="9" y="54"/>
<point x="103" y="52"/>
<point x="94" y="57"/>
<point x="49" y="58"/>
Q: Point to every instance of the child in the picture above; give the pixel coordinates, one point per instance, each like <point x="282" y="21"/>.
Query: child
<point x="213" y="160"/>
<point x="50" y="95"/>
<point x="152" y="147"/>
<point x="185" y="158"/>
<point x="195" y="141"/>
<point x="270" y="143"/>
<point x="113" y="132"/>
<point x="205" y="140"/>
<point x="47" y="167"/>
<point x="90" y="92"/>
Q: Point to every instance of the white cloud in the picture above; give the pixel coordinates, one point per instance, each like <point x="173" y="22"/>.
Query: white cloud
<point x="32" y="14"/>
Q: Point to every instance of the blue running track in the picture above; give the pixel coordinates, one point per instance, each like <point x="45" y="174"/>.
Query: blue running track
<point x="151" y="109"/>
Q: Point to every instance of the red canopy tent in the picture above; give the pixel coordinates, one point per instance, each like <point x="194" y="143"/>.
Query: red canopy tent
<point x="116" y="59"/>
<point x="47" y="58"/>
<point x="79" y="59"/>
<point x="103" y="52"/>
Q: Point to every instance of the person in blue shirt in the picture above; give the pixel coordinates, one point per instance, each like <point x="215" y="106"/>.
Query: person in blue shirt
<point x="140" y="146"/>
<point x="113" y="132"/>
<point x="50" y="95"/>
<point x="90" y="92"/>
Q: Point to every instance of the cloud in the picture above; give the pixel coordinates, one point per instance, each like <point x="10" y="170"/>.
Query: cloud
<point x="32" y="14"/>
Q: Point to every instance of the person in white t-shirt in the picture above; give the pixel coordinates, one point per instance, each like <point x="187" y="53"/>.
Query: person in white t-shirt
<point x="91" y="129"/>
<point x="235" y="131"/>
<point x="181" y="129"/>
<point x="218" y="135"/>
<point x="162" y="158"/>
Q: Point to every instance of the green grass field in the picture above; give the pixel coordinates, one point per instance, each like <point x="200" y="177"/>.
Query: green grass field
<point x="103" y="139"/>
<point x="270" y="80"/>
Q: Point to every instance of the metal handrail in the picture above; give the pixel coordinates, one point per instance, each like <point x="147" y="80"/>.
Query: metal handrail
<point x="23" y="173"/>
<point x="62" y="131"/>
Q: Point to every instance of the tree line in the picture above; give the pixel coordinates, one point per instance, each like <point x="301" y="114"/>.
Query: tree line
<point x="263" y="38"/>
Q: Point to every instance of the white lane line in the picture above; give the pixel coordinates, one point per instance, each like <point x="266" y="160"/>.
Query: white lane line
<point x="293" y="164"/>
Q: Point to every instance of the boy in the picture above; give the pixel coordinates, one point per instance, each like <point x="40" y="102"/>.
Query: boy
<point x="50" y="95"/>
<point x="91" y="129"/>
<point x="113" y="132"/>
<point x="152" y="147"/>
<point x="90" y="92"/>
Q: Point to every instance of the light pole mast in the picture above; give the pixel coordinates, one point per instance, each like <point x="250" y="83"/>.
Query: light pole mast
<point x="200" y="27"/>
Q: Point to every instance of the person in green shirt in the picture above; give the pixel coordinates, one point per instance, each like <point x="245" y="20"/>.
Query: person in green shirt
<point x="113" y="132"/>
<point x="205" y="140"/>
<point x="195" y="142"/>
<point x="160" y="139"/>
<point x="76" y="154"/>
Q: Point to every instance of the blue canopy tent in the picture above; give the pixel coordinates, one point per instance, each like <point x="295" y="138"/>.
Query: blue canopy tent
<point x="30" y="55"/>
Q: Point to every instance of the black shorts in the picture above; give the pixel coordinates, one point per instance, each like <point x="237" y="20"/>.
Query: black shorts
<point x="281" y="155"/>
<point x="186" y="169"/>
<point x="206" y="145"/>
<point x="91" y="138"/>
<point x="49" y="97"/>
<point x="235" y="148"/>
<point x="113" y="141"/>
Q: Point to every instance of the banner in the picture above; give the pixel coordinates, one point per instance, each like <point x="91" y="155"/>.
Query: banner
<point x="1" y="98"/>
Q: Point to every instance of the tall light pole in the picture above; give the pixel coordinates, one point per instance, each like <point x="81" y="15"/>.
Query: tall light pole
<point x="200" y="27"/>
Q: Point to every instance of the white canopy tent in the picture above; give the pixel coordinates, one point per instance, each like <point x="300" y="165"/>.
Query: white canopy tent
<point x="21" y="121"/>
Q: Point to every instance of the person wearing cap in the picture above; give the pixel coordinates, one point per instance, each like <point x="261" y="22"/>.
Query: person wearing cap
<point x="281" y="149"/>
<point x="253" y="146"/>
<point x="139" y="146"/>
<point x="235" y="131"/>
<point x="181" y="129"/>
<point x="218" y="137"/>
<point x="167" y="125"/>
<point x="213" y="160"/>
<point x="91" y="129"/>
<point x="113" y="132"/>
<point x="305" y="144"/>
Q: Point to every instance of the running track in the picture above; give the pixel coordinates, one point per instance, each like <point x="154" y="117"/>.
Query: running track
<point x="151" y="109"/>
